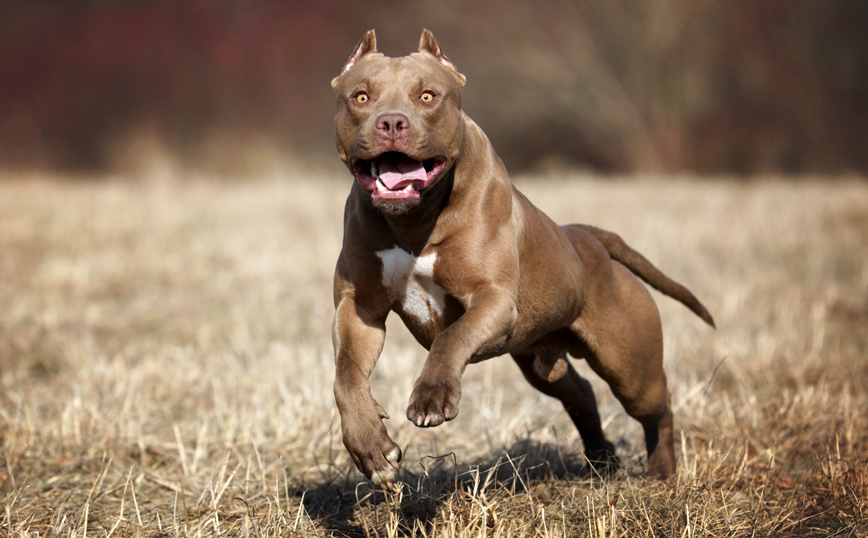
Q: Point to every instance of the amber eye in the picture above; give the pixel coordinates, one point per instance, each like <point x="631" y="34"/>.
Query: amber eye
<point x="427" y="97"/>
<point x="362" y="98"/>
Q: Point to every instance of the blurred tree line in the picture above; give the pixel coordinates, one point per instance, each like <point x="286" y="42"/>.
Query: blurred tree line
<point x="612" y="85"/>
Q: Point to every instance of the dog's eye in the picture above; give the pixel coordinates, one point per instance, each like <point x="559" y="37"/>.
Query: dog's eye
<point x="427" y="97"/>
<point x="362" y="98"/>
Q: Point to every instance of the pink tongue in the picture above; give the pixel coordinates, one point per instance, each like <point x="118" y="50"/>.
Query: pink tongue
<point x="396" y="170"/>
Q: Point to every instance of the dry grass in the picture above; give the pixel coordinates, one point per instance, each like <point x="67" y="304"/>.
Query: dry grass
<point x="167" y="369"/>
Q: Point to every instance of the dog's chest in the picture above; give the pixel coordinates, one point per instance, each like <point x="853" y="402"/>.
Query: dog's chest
<point x="409" y="283"/>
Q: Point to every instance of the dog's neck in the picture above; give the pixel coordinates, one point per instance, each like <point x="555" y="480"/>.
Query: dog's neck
<point x="411" y="230"/>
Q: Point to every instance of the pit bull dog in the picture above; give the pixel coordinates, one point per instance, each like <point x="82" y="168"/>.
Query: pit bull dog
<point x="435" y="231"/>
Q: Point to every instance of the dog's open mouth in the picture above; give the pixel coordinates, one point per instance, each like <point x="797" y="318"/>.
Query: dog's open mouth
<point x="395" y="176"/>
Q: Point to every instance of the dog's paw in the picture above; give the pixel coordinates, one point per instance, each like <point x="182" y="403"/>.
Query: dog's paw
<point x="387" y="475"/>
<point x="601" y="463"/>
<point x="433" y="402"/>
<point x="375" y="454"/>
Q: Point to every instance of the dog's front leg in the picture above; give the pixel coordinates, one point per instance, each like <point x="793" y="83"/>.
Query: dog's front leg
<point x="358" y="339"/>
<point x="481" y="331"/>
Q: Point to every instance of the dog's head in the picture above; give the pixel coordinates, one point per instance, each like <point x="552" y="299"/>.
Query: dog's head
<point x="399" y="125"/>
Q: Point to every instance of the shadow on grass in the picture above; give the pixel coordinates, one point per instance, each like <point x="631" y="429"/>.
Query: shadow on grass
<point x="349" y="505"/>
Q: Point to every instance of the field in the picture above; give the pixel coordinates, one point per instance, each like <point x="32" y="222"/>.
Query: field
<point x="167" y="368"/>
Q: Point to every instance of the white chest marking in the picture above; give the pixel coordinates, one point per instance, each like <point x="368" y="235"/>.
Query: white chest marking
<point x="409" y="280"/>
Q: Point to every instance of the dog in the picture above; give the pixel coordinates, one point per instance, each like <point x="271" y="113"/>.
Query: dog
<point x="435" y="231"/>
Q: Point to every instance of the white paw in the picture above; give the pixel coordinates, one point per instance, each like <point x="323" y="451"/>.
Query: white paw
<point x="390" y="474"/>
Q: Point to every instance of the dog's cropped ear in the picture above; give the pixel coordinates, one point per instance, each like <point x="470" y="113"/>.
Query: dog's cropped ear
<point x="367" y="45"/>
<point x="427" y="43"/>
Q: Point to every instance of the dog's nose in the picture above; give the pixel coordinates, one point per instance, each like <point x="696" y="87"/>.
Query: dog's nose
<point x="393" y="125"/>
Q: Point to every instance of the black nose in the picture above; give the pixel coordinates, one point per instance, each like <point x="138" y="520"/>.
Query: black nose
<point x="393" y="125"/>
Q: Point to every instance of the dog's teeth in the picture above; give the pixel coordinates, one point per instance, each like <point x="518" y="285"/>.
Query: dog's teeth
<point x="375" y="170"/>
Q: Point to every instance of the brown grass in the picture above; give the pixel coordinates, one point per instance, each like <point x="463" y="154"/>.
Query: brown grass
<point x="167" y="368"/>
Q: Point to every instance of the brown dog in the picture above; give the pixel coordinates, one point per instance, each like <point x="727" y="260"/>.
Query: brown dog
<point x="435" y="231"/>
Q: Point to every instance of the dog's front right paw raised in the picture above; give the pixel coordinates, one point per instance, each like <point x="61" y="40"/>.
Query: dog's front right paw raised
<point x="433" y="402"/>
<point x="375" y="454"/>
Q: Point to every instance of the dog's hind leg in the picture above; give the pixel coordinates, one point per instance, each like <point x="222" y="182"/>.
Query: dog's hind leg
<point x="619" y="333"/>
<point x="554" y="376"/>
<point x="625" y="341"/>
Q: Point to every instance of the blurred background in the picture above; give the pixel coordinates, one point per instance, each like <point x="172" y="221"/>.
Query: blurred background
<point x="611" y="86"/>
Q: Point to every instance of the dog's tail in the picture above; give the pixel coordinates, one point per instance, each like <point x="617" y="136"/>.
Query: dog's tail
<point x="635" y="262"/>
